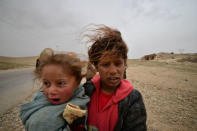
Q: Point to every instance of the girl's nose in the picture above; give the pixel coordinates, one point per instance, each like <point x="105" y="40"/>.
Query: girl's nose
<point x="113" y="69"/>
<point x="52" y="90"/>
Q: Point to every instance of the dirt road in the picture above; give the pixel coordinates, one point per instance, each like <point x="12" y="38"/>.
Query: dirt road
<point x="14" y="87"/>
<point x="169" y="91"/>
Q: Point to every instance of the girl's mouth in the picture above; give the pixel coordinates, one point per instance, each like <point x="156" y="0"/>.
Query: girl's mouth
<point x="55" y="101"/>
<point x="113" y="79"/>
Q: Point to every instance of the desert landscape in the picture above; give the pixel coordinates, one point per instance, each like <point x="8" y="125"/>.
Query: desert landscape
<point x="168" y="83"/>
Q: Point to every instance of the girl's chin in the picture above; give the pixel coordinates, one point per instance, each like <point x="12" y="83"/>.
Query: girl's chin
<point x="55" y="102"/>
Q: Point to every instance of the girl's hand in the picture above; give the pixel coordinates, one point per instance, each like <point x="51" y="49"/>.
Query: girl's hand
<point x="72" y="112"/>
<point x="73" y="116"/>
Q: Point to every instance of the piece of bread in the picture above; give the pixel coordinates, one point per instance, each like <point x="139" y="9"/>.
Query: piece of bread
<point x="72" y="110"/>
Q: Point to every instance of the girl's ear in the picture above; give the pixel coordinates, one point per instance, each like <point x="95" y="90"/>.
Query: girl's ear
<point x="96" y="67"/>
<point x="125" y="63"/>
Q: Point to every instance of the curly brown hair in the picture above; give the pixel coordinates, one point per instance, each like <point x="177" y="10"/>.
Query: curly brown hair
<point x="70" y="62"/>
<point x="105" y="39"/>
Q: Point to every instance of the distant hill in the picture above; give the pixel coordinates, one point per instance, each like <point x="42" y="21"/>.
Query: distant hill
<point x="172" y="57"/>
<point x="19" y="60"/>
<point x="16" y="62"/>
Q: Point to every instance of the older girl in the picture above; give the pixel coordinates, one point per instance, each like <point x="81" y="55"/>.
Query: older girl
<point x="114" y="104"/>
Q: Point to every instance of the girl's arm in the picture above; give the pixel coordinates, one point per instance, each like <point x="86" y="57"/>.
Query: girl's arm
<point x="132" y="113"/>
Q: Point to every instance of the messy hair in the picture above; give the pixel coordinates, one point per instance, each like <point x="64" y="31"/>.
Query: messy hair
<point x="70" y="62"/>
<point x="104" y="38"/>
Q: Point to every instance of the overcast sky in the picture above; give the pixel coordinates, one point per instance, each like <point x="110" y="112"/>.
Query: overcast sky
<point x="147" y="26"/>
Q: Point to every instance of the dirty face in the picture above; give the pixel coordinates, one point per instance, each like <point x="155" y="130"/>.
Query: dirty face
<point x="111" y="69"/>
<point x="58" y="86"/>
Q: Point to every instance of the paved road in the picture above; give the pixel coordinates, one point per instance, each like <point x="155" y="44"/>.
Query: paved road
<point x="14" y="88"/>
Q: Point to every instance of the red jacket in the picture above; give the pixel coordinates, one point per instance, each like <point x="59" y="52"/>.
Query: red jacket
<point x="106" y="119"/>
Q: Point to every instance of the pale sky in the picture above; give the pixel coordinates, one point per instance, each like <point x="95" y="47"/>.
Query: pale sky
<point x="147" y="26"/>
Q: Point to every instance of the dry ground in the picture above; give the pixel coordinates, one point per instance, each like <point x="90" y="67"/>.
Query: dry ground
<point x="169" y="90"/>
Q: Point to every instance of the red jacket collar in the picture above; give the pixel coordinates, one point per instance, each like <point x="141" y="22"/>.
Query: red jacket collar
<point x="122" y="91"/>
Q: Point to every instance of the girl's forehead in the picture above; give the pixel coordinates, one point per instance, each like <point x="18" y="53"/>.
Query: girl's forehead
<point x="110" y="55"/>
<point x="56" y="68"/>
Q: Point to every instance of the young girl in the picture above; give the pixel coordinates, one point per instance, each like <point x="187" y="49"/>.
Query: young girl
<point x="61" y="75"/>
<point x="114" y="103"/>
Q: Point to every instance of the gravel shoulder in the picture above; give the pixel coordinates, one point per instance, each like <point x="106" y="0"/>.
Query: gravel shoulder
<point x="10" y="120"/>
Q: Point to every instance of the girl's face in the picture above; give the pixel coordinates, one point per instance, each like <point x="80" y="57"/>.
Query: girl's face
<point x="58" y="86"/>
<point x="111" y="69"/>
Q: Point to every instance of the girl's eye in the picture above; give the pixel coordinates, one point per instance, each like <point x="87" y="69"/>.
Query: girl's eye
<point x="118" y="64"/>
<point x="46" y="83"/>
<point x="105" y="64"/>
<point x="61" y="83"/>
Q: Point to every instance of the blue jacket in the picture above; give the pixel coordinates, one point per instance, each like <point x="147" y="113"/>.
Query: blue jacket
<point x="42" y="115"/>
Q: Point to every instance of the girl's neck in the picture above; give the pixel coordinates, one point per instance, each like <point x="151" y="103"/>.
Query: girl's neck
<point x="108" y="90"/>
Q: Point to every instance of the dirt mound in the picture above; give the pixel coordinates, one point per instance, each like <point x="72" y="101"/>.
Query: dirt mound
<point x="149" y="57"/>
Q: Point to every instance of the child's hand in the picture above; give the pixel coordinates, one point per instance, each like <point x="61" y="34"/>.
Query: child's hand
<point x="72" y="112"/>
<point x="73" y="116"/>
